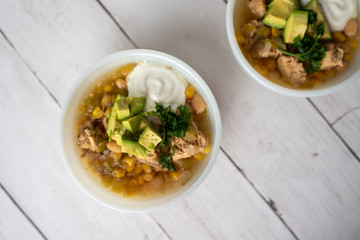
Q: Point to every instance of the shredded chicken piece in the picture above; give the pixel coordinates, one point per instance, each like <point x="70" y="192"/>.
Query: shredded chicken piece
<point x="264" y="49"/>
<point x="257" y="7"/>
<point x="189" y="145"/>
<point x="333" y="57"/>
<point x="249" y="30"/>
<point x="152" y="159"/>
<point x="290" y="68"/>
<point x="86" y="139"/>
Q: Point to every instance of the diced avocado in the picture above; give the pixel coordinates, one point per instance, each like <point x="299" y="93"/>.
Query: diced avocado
<point x="111" y="122"/>
<point x="117" y="134"/>
<point x="131" y="146"/>
<point x="123" y="110"/>
<point x="315" y="6"/>
<point x="144" y="123"/>
<point x="296" y="25"/>
<point x="132" y="124"/>
<point x="278" y="12"/>
<point x="149" y="138"/>
<point x="136" y="104"/>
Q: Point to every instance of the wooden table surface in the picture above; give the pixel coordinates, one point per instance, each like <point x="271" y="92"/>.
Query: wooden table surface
<point x="288" y="168"/>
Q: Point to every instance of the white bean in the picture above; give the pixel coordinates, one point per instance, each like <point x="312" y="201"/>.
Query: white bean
<point x="114" y="147"/>
<point x="197" y="104"/>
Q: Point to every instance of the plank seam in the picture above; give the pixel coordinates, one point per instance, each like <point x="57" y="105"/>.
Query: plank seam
<point x="29" y="67"/>
<point x="161" y="227"/>
<point x="22" y="211"/>
<point x="270" y="202"/>
<point x="116" y="23"/>
<point x="344" y="115"/>
<point x="333" y="129"/>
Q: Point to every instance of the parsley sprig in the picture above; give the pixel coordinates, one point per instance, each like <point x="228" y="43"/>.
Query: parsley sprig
<point x="309" y="49"/>
<point x="172" y="125"/>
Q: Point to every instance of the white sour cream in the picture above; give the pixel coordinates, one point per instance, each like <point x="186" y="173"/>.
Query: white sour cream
<point x="337" y="12"/>
<point x="159" y="84"/>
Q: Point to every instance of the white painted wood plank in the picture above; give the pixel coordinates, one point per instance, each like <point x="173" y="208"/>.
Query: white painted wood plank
<point x="282" y="143"/>
<point x="268" y="222"/>
<point x="342" y="110"/>
<point x="224" y="207"/>
<point x="60" y="38"/>
<point x="13" y="223"/>
<point x="32" y="171"/>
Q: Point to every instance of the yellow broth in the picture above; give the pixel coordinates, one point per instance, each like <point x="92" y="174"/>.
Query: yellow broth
<point x="128" y="175"/>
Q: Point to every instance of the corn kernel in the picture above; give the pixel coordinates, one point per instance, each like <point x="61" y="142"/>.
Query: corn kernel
<point x="117" y="155"/>
<point x="199" y="156"/>
<point x="347" y="57"/>
<point x="130" y="161"/>
<point x="330" y="72"/>
<point x="141" y="180"/>
<point x="118" y="173"/>
<point x="275" y="32"/>
<point x="148" y="176"/>
<point x="240" y="37"/>
<point x="353" y="44"/>
<point x="147" y="168"/>
<point x="108" y="88"/>
<point x="138" y="169"/>
<point x="262" y="69"/>
<point x="97" y="113"/>
<point x="208" y="148"/>
<point x="129" y="192"/>
<point x="130" y="168"/>
<point x="338" y="36"/>
<point x="189" y="92"/>
<point x="271" y="64"/>
<point x="107" y="165"/>
<point x="174" y="175"/>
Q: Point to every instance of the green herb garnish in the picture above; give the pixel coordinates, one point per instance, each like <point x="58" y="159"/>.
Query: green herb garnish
<point x="309" y="49"/>
<point x="172" y="125"/>
<point x="166" y="162"/>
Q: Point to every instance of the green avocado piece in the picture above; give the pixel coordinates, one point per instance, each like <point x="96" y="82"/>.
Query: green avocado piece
<point x="277" y="13"/>
<point x="149" y="138"/>
<point x="315" y="6"/>
<point x="132" y="124"/>
<point x="296" y="25"/>
<point x="112" y="123"/>
<point x="136" y="104"/>
<point x="144" y="123"/>
<point x="123" y="110"/>
<point x="117" y="134"/>
<point x="131" y="146"/>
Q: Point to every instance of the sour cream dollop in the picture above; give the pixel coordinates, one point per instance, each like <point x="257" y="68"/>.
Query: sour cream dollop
<point x="337" y="12"/>
<point x="159" y="84"/>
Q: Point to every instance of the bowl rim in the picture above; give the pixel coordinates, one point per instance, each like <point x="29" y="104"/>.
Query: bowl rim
<point x="166" y="60"/>
<point x="246" y="66"/>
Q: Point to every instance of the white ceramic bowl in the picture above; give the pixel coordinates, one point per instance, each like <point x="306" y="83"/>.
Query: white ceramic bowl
<point x="70" y="152"/>
<point x="233" y="12"/>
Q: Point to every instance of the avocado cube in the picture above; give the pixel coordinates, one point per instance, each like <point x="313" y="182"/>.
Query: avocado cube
<point x="144" y="123"/>
<point x="131" y="146"/>
<point x="117" y="133"/>
<point x="132" y="124"/>
<point x="296" y="25"/>
<point x="136" y="104"/>
<point x="149" y="138"/>
<point x="122" y="110"/>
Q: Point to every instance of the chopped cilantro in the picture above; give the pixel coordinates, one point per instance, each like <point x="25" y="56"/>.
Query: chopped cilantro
<point x="166" y="162"/>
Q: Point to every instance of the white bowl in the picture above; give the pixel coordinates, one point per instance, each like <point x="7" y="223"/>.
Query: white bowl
<point x="233" y="12"/>
<point x="70" y="151"/>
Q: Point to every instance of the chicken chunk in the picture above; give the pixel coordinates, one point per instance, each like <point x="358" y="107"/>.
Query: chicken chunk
<point x="249" y="31"/>
<point x="86" y="140"/>
<point x="265" y="49"/>
<point x="257" y="7"/>
<point x="290" y="68"/>
<point x="193" y="143"/>
<point x="152" y="159"/>
<point x="333" y="57"/>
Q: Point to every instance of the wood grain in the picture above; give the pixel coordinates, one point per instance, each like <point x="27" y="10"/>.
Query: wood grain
<point x="59" y="39"/>
<point x="34" y="174"/>
<point x="13" y="224"/>
<point x="284" y="146"/>
<point x="342" y="111"/>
